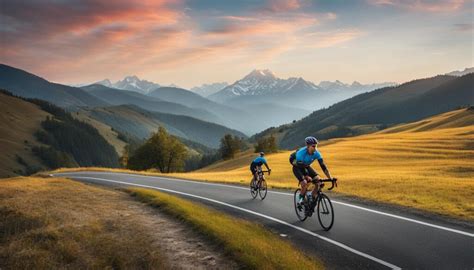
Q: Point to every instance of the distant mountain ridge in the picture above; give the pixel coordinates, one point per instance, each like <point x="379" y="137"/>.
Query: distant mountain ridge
<point x="150" y="103"/>
<point x="262" y="89"/>
<point x="25" y="84"/>
<point x="261" y="82"/>
<point x="265" y="83"/>
<point x="461" y="72"/>
<point x="375" y="110"/>
<point x="206" y="90"/>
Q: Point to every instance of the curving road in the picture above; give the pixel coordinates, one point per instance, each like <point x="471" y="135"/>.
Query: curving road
<point x="361" y="238"/>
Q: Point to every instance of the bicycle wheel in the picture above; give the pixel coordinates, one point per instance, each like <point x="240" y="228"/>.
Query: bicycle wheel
<point x="325" y="212"/>
<point x="262" y="189"/>
<point x="253" y="188"/>
<point x="299" y="209"/>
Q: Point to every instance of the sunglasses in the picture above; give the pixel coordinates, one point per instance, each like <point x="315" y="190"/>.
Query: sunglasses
<point x="314" y="145"/>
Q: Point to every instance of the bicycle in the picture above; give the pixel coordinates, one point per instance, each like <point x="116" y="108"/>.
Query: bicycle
<point x="259" y="185"/>
<point x="321" y="202"/>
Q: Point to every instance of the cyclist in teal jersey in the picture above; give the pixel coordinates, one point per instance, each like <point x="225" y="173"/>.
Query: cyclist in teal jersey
<point x="301" y="161"/>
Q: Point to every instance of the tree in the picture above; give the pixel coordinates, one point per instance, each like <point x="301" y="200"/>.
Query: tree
<point x="161" y="151"/>
<point x="230" y="145"/>
<point x="267" y="145"/>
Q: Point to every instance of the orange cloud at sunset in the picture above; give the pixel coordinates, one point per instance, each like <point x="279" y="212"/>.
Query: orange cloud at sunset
<point x="86" y="41"/>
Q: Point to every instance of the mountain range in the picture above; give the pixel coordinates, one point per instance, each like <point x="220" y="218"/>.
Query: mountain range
<point x="259" y="101"/>
<point x="378" y="109"/>
<point x="121" y="97"/>
<point x="131" y="83"/>
<point x="262" y="86"/>
<point x="461" y="72"/>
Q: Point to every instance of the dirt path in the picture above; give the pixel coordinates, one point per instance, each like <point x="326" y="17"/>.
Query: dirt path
<point x="183" y="248"/>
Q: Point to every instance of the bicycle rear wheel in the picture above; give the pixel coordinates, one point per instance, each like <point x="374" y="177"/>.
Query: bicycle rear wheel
<point x="299" y="209"/>
<point x="253" y="188"/>
<point x="325" y="212"/>
<point x="262" y="189"/>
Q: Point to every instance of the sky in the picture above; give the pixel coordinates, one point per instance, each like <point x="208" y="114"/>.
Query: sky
<point x="192" y="42"/>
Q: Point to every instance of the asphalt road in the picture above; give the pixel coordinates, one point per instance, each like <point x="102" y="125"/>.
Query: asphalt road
<point x="362" y="237"/>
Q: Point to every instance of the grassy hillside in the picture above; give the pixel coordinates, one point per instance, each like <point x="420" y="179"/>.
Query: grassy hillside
<point x="140" y="123"/>
<point x="19" y="120"/>
<point x="24" y="84"/>
<point x="106" y="131"/>
<point x="408" y="102"/>
<point x="36" y="134"/>
<point x="425" y="165"/>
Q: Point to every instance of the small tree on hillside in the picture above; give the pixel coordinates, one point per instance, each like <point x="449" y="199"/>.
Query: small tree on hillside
<point x="230" y="145"/>
<point x="161" y="151"/>
<point x="267" y="145"/>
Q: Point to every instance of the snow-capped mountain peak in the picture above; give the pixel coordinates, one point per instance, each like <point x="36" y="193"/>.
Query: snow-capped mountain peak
<point x="261" y="83"/>
<point x="131" y="79"/>
<point x="260" y="74"/>
<point x="131" y="83"/>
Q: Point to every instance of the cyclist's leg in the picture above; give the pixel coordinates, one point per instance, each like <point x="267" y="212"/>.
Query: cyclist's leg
<point x="300" y="175"/>
<point x="259" y="168"/>
<point x="314" y="175"/>
<point x="253" y="170"/>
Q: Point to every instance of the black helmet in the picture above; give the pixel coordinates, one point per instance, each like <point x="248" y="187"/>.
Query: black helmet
<point x="311" y="140"/>
<point x="262" y="154"/>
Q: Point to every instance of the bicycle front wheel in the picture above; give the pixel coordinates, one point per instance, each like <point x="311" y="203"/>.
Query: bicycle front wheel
<point x="325" y="212"/>
<point x="262" y="189"/>
<point x="299" y="209"/>
<point x="253" y="188"/>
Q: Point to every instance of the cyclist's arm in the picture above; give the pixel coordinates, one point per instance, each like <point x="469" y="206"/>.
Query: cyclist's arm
<point x="324" y="168"/>
<point x="266" y="165"/>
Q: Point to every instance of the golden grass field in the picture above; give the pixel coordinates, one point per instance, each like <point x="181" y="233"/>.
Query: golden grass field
<point x="249" y="243"/>
<point x="55" y="223"/>
<point x="427" y="165"/>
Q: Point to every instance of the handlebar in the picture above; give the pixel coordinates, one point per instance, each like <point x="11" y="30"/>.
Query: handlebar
<point x="333" y="182"/>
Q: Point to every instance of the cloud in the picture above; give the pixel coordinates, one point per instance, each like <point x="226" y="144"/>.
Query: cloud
<point x="422" y="5"/>
<point x="464" y="27"/>
<point x="79" y="41"/>
<point x="333" y="38"/>
<point x="282" y="5"/>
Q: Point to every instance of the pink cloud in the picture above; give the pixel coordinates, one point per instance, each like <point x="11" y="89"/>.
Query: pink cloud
<point x="423" y="5"/>
<point x="79" y="42"/>
<point x="330" y="39"/>
<point x="282" y="5"/>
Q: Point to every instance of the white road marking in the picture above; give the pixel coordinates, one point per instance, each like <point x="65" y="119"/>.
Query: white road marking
<point x="365" y="255"/>
<point x="290" y="194"/>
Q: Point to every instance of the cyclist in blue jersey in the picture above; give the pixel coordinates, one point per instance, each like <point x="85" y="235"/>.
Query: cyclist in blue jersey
<point x="301" y="160"/>
<point x="258" y="162"/>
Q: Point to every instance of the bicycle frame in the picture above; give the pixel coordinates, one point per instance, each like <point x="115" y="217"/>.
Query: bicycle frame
<point x="314" y="183"/>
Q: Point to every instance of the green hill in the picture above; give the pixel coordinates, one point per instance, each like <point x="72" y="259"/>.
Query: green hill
<point x="24" y="84"/>
<point x="139" y="123"/>
<point x="36" y="134"/>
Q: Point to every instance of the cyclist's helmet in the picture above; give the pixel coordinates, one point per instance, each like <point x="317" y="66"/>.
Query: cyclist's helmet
<point x="311" y="140"/>
<point x="262" y="154"/>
